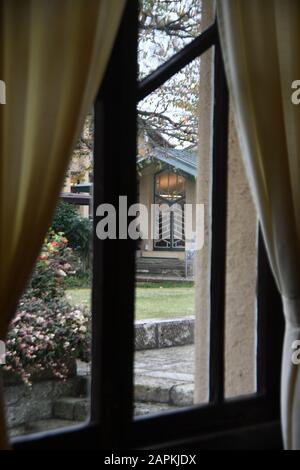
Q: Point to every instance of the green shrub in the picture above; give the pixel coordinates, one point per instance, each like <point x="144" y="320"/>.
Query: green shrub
<point x="53" y="265"/>
<point x="79" y="281"/>
<point x="47" y="333"/>
<point x="64" y="214"/>
<point x="76" y="229"/>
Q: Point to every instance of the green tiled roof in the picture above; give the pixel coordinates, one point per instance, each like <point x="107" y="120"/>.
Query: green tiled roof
<point x="183" y="160"/>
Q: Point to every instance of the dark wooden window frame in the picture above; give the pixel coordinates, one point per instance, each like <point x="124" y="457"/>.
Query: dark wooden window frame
<point x="246" y="422"/>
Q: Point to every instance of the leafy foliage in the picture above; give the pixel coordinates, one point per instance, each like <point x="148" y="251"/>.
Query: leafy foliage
<point x="77" y="230"/>
<point x="52" y="266"/>
<point x="82" y="158"/>
<point x="166" y="26"/>
<point x="46" y="336"/>
<point x="47" y="333"/>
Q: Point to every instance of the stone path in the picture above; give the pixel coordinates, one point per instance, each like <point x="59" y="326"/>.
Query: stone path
<point x="165" y="376"/>
<point x="164" y="379"/>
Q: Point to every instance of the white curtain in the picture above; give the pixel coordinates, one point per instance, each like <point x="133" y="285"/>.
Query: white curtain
<point x="261" y="48"/>
<point x="53" y="54"/>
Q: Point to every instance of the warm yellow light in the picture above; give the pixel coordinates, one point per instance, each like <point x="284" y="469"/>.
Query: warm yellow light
<point x="170" y="185"/>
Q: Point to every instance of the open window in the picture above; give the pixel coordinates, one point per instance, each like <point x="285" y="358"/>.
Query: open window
<point x="241" y="421"/>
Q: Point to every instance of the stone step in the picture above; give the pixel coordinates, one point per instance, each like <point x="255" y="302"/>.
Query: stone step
<point x="160" y="261"/>
<point x="158" y="279"/>
<point x="165" y="274"/>
<point x="143" y="409"/>
<point x="68" y="411"/>
<point x="160" y="266"/>
<point x="41" y="426"/>
<point x="152" y="395"/>
<point x="73" y="409"/>
<point x="164" y="390"/>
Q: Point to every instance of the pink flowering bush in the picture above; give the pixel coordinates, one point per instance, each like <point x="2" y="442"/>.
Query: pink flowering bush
<point x="47" y="333"/>
<point x="55" y="262"/>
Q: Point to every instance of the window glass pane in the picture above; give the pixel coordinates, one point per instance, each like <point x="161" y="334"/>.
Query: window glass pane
<point x="167" y="165"/>
<point x="46" y="375"/>
<point x="168" y="135"/>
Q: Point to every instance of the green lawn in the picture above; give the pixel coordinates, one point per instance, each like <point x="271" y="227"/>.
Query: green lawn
<point x="153" y="300"/>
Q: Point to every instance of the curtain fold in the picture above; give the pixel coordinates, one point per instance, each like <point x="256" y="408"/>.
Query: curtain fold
<point x="261" y="48"/>
<point x="53" y="56"/>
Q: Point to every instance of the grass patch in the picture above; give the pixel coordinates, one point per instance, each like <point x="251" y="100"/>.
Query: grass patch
<point x="153" y="300"/>
<point x="78" y="282"/>
<point x="164" y="302"/>
<point x="164" y="285"/>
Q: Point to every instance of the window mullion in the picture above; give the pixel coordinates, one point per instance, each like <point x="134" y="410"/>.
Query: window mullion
<point x="218" y="232"/>
<point x="114" y="260"/>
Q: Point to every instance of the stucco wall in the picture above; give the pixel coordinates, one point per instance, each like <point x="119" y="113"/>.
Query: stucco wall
<point x="240" y="277"/>
<point x="241" y="252"/>
<point x="202" y="303"/>
<point x="146" y="197"/>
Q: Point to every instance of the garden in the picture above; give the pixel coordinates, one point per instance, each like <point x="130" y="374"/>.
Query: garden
<point x="48" y="333"/>
<point x="47" y="372"/>
<point x="52" y="328"/>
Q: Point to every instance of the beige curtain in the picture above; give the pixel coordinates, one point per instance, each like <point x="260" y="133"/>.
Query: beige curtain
<point x="53" y="54"/>
<point x="261" y="47"/>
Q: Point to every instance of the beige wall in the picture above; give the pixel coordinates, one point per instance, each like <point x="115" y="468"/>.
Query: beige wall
<point x="202" y="282"/>
<point x="240" y="277"/>
<point x="241" y="252"/>
<point x="146" y="197"/>
<point x="191" y="199"/>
